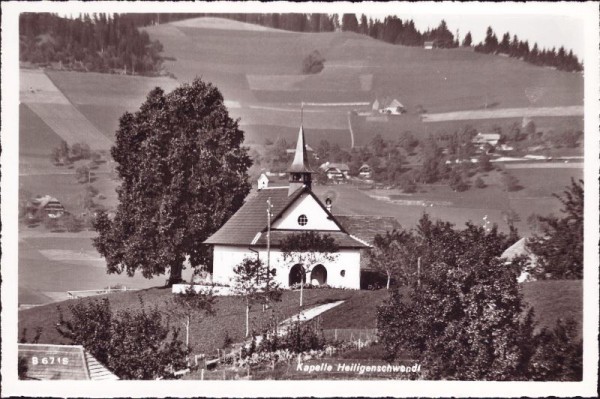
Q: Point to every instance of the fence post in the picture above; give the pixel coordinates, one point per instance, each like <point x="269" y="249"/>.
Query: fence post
<point x="202" y="374"/>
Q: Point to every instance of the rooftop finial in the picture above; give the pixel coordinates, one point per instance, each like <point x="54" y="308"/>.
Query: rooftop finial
<point x="301" y="113"/>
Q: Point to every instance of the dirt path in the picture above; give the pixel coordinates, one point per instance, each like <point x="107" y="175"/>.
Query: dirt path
<point x="574" y="110"/>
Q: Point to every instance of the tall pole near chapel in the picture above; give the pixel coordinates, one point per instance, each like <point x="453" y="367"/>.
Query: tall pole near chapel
<point x="269" y="207"/>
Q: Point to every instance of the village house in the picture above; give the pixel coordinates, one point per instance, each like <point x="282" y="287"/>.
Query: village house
<point x="45" y="206"/>
<point x="429" y="45"/>
<point x="483" y="139"/>
<point x="253" y="232"/>
<point x="519" y="249"/>
<point x="365" y="172"/>
<point x="336" y="172"/>
<point x="393" y="107"/>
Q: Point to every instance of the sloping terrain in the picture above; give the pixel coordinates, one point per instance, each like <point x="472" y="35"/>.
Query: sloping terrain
<point x="256" y="66"/>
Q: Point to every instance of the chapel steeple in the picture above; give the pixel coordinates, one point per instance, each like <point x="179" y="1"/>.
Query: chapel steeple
<point x="300" y="170"/>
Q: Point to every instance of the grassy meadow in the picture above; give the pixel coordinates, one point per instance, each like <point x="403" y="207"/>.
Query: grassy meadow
<point x="550" y="299"/>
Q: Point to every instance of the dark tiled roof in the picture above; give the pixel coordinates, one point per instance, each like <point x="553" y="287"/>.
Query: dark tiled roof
<point x="367" y="227"/>
<point x="251" y="218"/>
<point x="342" y="239"/>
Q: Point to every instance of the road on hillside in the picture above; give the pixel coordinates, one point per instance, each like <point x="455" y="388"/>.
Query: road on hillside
<point x="574" y="110"/>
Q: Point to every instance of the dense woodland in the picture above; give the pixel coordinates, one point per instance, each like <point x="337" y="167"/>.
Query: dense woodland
<point x="98" y="42"/>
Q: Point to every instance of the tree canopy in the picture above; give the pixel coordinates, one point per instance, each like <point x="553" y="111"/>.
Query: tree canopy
<point x="183" y="173"/>
<point x="465" y="318"/>
<point x="559" y="246"/>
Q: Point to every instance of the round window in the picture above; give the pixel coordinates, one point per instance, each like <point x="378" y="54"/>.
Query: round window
<point x="302" y="220"/>
<point x="343" y="273"/>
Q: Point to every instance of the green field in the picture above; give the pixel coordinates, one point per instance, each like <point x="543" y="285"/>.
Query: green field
<point x="441" y="202"/>
<point x="263" y="66"/>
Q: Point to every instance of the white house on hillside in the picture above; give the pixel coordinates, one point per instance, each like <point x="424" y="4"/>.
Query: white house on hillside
<point x="336" y="172"/>
<point x="294" y="209"/>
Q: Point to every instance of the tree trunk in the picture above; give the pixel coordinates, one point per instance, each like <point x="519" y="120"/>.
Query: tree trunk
<point x="175" y="275"/>
<point x="388" y="280"/>
<point x="247" y="319"/>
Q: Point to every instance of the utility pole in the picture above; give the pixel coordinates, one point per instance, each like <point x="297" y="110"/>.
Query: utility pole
<point x="269" y="214"/>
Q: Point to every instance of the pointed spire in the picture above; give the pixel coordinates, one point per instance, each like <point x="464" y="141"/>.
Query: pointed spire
<point x="300" y="163"/>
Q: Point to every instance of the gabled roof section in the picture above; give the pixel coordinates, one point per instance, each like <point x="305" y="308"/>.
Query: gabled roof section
<point x="366" y="228"/>
<point x="300" y="163"/>
<point x="251" y="218"/>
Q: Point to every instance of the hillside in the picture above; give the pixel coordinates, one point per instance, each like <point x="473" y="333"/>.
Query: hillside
<point x="551" y="300"/>
<point x="258" y="71"/>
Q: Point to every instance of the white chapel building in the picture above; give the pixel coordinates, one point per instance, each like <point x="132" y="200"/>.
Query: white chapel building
<point x="294" y="209"/>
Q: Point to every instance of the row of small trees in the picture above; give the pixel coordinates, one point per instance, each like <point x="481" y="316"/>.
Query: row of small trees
<point x="516" y="48"/>
<point x="66" y="155"/>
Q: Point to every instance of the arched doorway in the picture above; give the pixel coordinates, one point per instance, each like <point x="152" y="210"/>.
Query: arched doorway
<point x="318" y="276"/>
<point x="296" y="275"/>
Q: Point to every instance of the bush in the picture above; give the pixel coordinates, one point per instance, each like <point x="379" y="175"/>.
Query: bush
<point x="457" y="182"/>
<point x="133" y="344"/>
<point x="407" y="184"/>
<point x="479" y="183"/>
<point x="72" y="223"/>
<point x="91" y="190"/>
<point x="510" y="182"/>
<point x="313" y="63"/>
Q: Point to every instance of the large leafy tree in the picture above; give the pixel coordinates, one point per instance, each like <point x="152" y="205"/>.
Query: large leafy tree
<point x="559" y="246"/>
<point x="462" y="319"/>
<point x="183" y="173"/>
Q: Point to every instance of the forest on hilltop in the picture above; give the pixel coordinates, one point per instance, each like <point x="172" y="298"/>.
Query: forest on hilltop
<point x="100" y="43"/>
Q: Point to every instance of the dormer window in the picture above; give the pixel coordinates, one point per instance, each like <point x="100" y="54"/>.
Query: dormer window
<point x="302" y="220"/>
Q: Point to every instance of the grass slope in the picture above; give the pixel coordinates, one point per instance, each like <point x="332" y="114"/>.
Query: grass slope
<point x="550" y="299"/>
<point x="254" y="67"/>
<point x="207" y="334"/>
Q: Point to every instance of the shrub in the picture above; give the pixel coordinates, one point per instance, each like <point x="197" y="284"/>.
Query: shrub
<point x="72" y="223"/>
<point x="510" y="182"/>
<point x="134" y="344"/>
<point x="313" y="63"/>
<point x="457" y="182"/>
<point x="479" y="183"/>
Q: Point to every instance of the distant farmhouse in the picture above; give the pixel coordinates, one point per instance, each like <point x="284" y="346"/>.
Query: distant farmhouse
<point x="365" y="172"/>
<point x="486" y="141"/>
<point x="518" y="249"/>
<point x="294" y="209"/>
<point x="45" y="206"/>
<point x="393" y="107"/>
<point x="429" y="45"/>
<point x="336" y="172"/>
